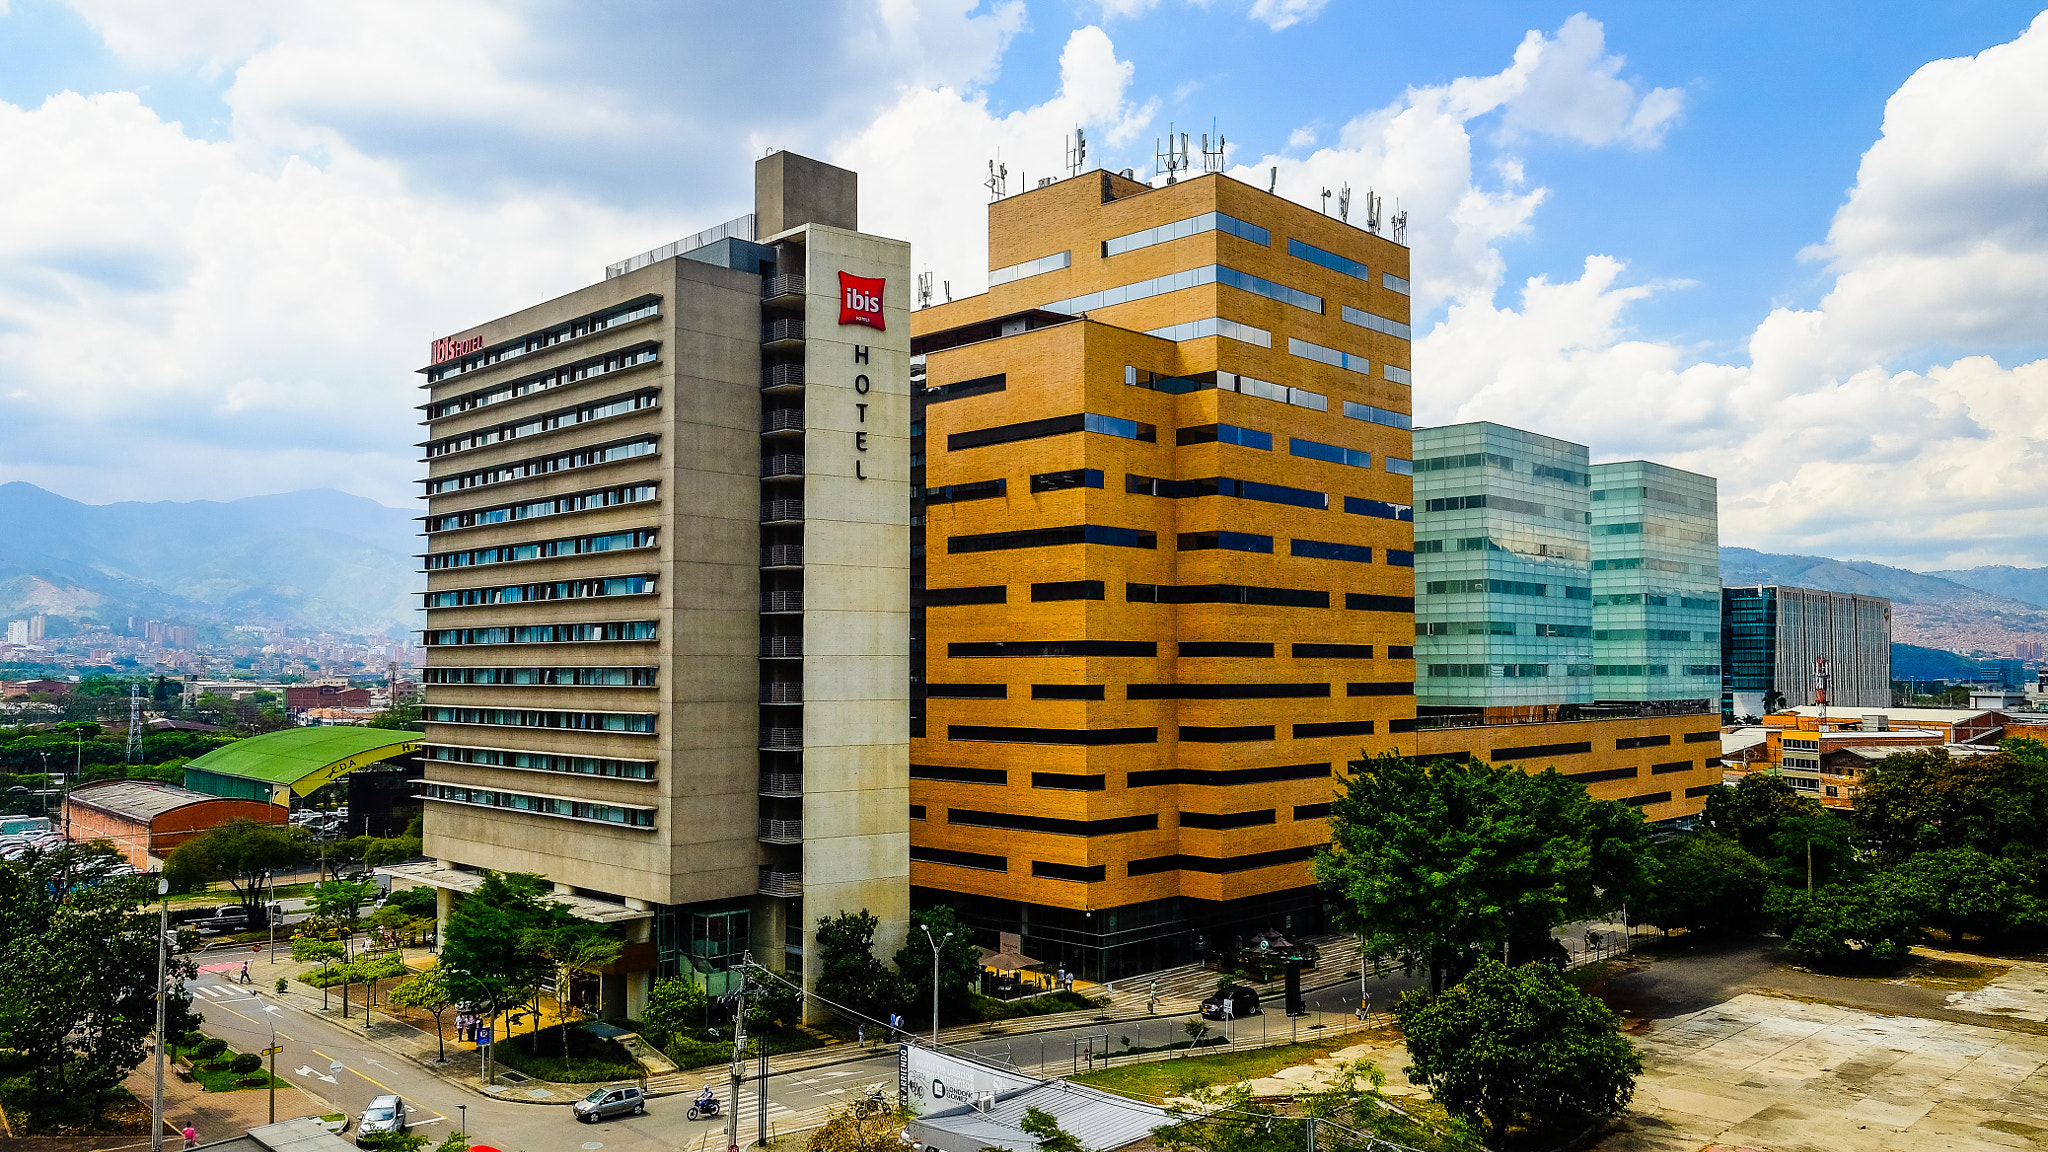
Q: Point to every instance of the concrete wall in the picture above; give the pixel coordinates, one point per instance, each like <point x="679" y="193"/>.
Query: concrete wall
<point x="856" y="851"/>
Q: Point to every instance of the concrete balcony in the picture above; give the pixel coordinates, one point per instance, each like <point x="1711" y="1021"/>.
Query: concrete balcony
<point x="787" y="465"/>
<point x="782" y="334"/>
<point x="782" y="556"/>
<point x="781" y="289"/>
<point x="782" y="511"/>
<point x="782" y="832"/>
<point x="782" y="420"/>
<point x="783" y="378"/>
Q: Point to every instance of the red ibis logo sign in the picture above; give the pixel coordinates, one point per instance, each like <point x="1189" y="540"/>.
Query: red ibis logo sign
<point x="448" y="348"/>
<point x="860" y="300"/>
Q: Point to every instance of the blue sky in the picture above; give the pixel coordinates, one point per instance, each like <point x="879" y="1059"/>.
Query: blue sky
<point x="1801" y="248"/>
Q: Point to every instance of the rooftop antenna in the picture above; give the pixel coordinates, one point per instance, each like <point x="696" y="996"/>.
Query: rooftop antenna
<point x="1326" y="201"/>
<point x="924" y="289"/>
<point x="949" y="291"/>
<point x="1372" y="212"/>
<point x="1344" y="203"/>
<point x="1272" y="179"/>
<point x="1400" y="221"/>
<point x="1077" y="152"/>
<point x="1171" y="158"/>
<point x="998" y="182"/>
<point x="1212" y="159"/>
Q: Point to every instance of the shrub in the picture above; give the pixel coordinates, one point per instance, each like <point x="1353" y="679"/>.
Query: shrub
<point x="246" y="1063"/>
<point x="210" y="1048"/>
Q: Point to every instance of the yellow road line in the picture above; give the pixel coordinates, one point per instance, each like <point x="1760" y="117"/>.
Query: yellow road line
<point x="364" y="1075"/>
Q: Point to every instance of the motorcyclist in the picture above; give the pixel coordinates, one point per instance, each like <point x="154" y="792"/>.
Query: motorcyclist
<point x="707" y="1099"/>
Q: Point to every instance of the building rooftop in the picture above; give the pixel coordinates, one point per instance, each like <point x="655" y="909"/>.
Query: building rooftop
<point x="294" y="755"/>
<point x="1880" y="751"/>
<point x="1100" y="1121"/>
<point x="432" y="874"/>
<point x="142" y="800"/>
<point x="1893" y="715"/>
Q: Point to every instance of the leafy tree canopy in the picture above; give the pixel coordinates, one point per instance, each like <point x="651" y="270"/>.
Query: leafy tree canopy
<point x="849" y="974"/>
<point x="1749" y="812"/>
<point x="1518" y="1047"/>
<point x="1706" y="883"/>
<point x="1925" y="799"/>
<point x="495" y="944"/>
<point x="959" y="961"/>
<point x="1446" y="860"/>
<point x="1961" y="891"/>
<point x="1871" y="923"/>
<point x="675" y="1007"/>
<point x="238" y="851"/>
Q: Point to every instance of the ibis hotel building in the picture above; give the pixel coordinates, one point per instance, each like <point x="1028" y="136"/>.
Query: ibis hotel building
<point x="1162" y="565"/>
<point x="667" y="539"/>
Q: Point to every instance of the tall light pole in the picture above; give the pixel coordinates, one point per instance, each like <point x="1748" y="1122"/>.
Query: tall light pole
<point x="935" y="980"/>
<point x="156" y="1097"/>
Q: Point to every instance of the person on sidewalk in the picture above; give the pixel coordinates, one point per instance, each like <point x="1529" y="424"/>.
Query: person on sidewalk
<point x="191" y="1135"/>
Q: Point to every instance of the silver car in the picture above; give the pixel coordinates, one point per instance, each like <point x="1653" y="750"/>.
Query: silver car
<point x="605" y="1103"/>
<point x="385" y="1114"/>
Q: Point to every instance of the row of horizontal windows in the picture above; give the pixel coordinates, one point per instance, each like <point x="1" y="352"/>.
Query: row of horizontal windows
<point x="1097" y="873"/>
<point x="1181" y="229"/>
<point x="553" y="378"/>
<point x="541" y="549"/>
<point x="545" y="762"/>
<point x="1655" y="670"/>
<point x="1151" y="594"/>
<point x="541" y="805"/>
<point x="1302" y="250"/>
<point x="546" y="422"/>
<point x="1653" y="564"/>
<point x="1395" y="283"/>
<point x="991" y="649"/>
<point x="1508" y="671"/>
<point x="1501" y="628"/>
<point x="579" y="502"/>
<point x="565" y="677"/>
<point x="1259" y="691"/>
<point x="1224" y="434"/>
<point x="1555" y="472"/>
<point x="1505" y="504"/>
<point x="962" y="493"/>
<point x="1185" y="733"/>
<point x="1214" y="326"/>
<point x="1659" y="495"/>
<point x="1375" y="323"/>
<point x="1640" y="528"/>
<point x="1052" y="426"/>
<point x="546" y="465"/>
<point x="1190" y="278"/>
<point x="1150" y="778"/>
<point x="960" y="390"/>
<point x="1665" y="634"/>
<point x="1656" y="600"/>
<point x="534" y="342"/>
<point x="1051" y="538"/>
<point x="1028" y="268"/>
<point x="1505" y="588"/>
<point x="543" y="633"/>
<point x="541" y="718"/>
<point x="1508" y="542"/>
<point x="1225" y="486"/>
<point x="1226" y="594"/>
<point x="543" y="590"/>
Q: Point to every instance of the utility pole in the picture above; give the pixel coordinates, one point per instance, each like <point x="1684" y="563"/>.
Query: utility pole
<point x="935" y="982"/>
<point x="156" y="1097"/>
<point x="273" y="1073"/>
<point x="739" y="1057"/>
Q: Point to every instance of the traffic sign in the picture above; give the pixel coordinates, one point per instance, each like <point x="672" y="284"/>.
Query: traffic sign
<point x="483" y="1034"/>
<point x="335" y="1067"/>
<point x="273" y="1051"/>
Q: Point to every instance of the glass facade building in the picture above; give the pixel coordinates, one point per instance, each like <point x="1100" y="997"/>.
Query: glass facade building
<point x="1504" y="583"/>
<point x="1656" y="548"/>
<point x="1771" y="634"/>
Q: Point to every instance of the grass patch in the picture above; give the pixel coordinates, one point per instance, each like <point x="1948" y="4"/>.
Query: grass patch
<point x="992" y="1010"/>
<point x="1953" y="975"/>
<point x="1157" y="1081"/>
<point x="691" y="1053"/>
<point x="592" y="1059"/>
<point x="215" y="1075"/>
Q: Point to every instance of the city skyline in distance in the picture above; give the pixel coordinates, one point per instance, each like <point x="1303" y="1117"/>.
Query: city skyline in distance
<point x="1631" y="228"/>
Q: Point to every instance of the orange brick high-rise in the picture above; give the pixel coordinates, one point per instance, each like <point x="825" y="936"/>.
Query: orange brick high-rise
<point x="1164" y="573"/>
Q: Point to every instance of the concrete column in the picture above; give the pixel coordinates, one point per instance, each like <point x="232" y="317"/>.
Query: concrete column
<point x="444" y="904"/>
<point x="638" y="986"/>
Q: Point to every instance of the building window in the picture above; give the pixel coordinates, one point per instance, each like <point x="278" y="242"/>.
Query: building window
<point x="1330" y="260"/>
<point x="1226" y="541"/>
<point x="1396" y="375"/>
<point x="581" y="370"/>
<point x="1396" y="283"/>
<point x="961" y="493"/>
<point x="1315" y="450"/>
<point x="1330" y="356"/>
<point x="1181" y="229"/>
<point x="1325" y="550"/>
<point x="1371" y="415"/>
<point x="546" y="422"/>
<point x="1191" y="278"/>
<point x="1214" y="326"/>
<point x="1225" y="594"/>
<point x="540" y="805"/>
<point x="1224" y="434"/>
<point x="543" y="633"/>
<point x="1379" y="509"/>
<point x="547" y="590"/>
<point x="506" y="513"/>
<point x="545" y="465"/>
<point x="1224" y="486"/>
<point x="579" y="677"/>
<point x="534" y="342"/>
<point x="1053" y="426"/>
<point x="545" y="761"/>
<point x="1054" y="590"/>
<point x="541" y="718"/>
<point x="1070" y="478"/>
<point x="1051" y="538"/>
<point x="1043" y="264"/>
<point x="1375" y="323"/>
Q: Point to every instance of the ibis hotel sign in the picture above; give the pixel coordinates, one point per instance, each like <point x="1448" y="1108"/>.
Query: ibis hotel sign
<point x="860" y="301"/>
<point x="448" y="348"/>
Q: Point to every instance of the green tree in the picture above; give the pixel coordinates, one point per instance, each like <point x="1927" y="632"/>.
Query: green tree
<point x="1926" y="799"/>
<point x="326" y="953"/>
<point x="495" y="941"/>
<point x="849" y="975"/>
<point x="1443" y="861"/>
<point x="1826" y="845"/>
<point x="428" y="991"/>
<point x="403" y="716"/>
<point x="959" y="962"/>
<point x="79" y="934"/>
<point x="1963" y="892"/>
<point x="1872" y="923"/>
<point x="576" y="948"/>
<point x="1518" y="1047"/>
<point x="238" y="851"/>
<point x="675" y="1009"/>
<point x="1706" y="883"/>
<point x="1749" y="812"/>
<point x="338" y="904"/>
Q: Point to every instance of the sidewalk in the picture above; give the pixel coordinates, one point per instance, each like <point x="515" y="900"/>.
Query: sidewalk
<point x="217" y="1115"/>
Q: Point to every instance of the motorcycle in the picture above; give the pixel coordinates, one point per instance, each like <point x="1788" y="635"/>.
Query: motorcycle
<point x="704" y="1108"/>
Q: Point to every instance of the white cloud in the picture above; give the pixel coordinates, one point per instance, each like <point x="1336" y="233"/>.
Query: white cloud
<point x="1126" y="9"/>
<point x="1821" y="443"/>
<point x="1279" y="14"/>
<point x="922" y="162"/>
<point x="1301" y="138"/>
<point x="1569" y="86"/>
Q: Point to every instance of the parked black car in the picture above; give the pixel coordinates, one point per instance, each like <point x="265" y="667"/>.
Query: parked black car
<point x="1243" y="1002"/>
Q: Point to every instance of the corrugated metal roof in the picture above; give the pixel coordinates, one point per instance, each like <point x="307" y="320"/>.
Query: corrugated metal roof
<point x="292" y="754"/>
<point x="1099" y="1120"/>
<point x="142" y="800"/>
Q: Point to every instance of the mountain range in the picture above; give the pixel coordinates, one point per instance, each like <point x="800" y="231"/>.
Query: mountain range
<point x="320" y="560"/>
<point x="323" y="560"/>
<point x="1989" y="608"/>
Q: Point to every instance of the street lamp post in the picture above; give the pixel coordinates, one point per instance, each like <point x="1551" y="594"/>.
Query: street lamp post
<point x="156" y="1097"/>
<point x="935" y="981"/>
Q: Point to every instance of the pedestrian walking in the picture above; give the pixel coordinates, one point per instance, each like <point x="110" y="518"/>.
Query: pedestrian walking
<point x="245" y="972"/>
<point x="191" y="1135"/>
<point x="860" y="1035"/>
